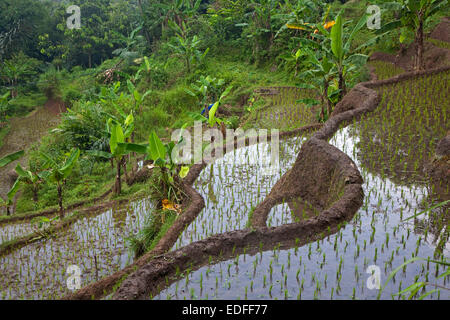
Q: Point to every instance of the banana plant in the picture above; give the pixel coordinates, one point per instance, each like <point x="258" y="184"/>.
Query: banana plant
<point x="212" y="119"/>
<point x="343" y="56"/>
<point x="57" y="173"/>
<point x="27" y="177"/>
<point x="186" y="47"/>
<point x="291" y="61"/>
<point x="118" y="146"/>
<point x="162" y="156"/>
<point x="4" y="162"/>
<point x="318" y="76"/>
<point x="10" y="158"/>
<point x="137" y="96"/>
<point x="208" y="88"/>
<point x="299" y="12"/>
<point x="415" y="15"/>
<point x="4" y="106"/>
<point x="336" y="44"/>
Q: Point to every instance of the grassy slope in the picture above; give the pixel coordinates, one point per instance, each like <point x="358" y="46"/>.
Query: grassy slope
<point x="165" y="109"/>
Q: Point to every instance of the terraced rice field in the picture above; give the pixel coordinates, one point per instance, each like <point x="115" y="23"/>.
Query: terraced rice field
<point x="235" y="184"/>
<point x="283" y="111"/>
<point x="390" y="148"/>
<point x="96" y="244"/>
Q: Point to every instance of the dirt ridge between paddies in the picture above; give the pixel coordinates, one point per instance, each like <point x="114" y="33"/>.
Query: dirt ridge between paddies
<point x="138" y="176"/>
<point x="17" y="243"/>
<point x="9" y="246"/>
<point x="49" y="212"/>
<point x="103" y="287"/>
<point x="360" y="100"/>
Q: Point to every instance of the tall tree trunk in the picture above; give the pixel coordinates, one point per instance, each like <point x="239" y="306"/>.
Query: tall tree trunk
<point x="60" y="201"/>
<point x="419" y="43"/>
<point x="188" y="64"/>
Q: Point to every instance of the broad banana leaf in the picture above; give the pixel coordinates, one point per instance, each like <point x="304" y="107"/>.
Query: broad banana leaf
<point x="66" y="169"/>
<point x="156" y="148"/>
<point x="132" y="147"/>
<point x="14" y="189"/>
<point x="99" y="154"/>
<point x="212" y="113"/>
<point x="10" y="158"/>
<point x="184" y="172"/>
<point x="336" y="39"/>
<point x="117" y="136"/>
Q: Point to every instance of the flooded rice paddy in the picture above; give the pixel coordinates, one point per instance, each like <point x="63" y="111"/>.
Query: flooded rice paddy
<point x="285" y="112"/>
<point x="390" y="147"/>
<point x="96" y="244"/>
<point x="15" y="230"/>
<point x="236" y="183"/>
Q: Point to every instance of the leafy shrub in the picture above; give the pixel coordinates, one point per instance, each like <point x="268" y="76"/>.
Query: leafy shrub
<point x="50" y="82"/>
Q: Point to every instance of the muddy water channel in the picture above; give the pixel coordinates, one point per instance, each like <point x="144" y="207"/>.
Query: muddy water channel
<point x="234" y="184"/>
<point x="390" y="155"/>
<point x="95" y="244"/>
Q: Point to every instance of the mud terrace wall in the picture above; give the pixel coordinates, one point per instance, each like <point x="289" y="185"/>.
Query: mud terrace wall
<point x="322" y="175"/>
<point x="439" y="169"/>
<point x="192" y="206"/>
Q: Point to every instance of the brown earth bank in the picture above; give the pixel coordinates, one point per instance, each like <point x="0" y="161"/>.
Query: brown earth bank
<point x="439" y="169"/>
<point x="192" y="205"/>
<point x="442" y="30"/>
<point x="152" y="277"/>
<point x="342" y="200"/>
<point x="140" y="283"/>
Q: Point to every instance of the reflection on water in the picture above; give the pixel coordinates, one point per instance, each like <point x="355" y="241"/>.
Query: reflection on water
<point x="336" y="266"/>
<point x="233" y="185"/>
<point x="96" y="244"/>
<point x="15" y="230"/>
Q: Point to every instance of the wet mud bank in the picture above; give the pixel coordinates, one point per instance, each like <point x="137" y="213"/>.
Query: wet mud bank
<point x="193" y="206"/>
